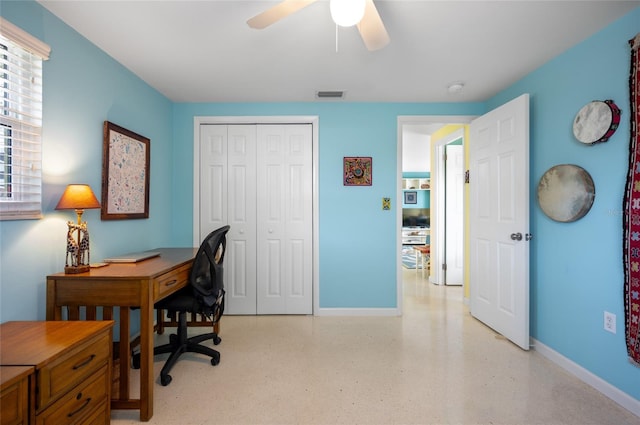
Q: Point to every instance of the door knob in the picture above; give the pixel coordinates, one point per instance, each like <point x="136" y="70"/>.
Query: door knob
<point x="516" y="236"/>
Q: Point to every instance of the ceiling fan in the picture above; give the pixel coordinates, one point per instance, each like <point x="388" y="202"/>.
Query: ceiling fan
<point x="363" y="14"/>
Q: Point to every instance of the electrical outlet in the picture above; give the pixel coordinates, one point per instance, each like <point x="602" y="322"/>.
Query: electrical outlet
<point x="609" y="322"/>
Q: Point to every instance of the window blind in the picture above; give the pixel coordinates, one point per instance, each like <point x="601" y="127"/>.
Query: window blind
<point x="21" y="59"/>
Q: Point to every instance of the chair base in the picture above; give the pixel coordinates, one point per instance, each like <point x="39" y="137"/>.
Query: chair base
<point x="178" y="344"/>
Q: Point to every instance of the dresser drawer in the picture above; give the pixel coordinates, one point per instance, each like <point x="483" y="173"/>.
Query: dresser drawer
<point x="171" y="282"/>
<point x="100" y="417"/>
<point x="59" y="376"/>
<point x="81" y="404"/>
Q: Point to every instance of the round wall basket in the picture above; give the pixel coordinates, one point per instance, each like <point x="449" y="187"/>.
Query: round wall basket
<point x="566" y="193"/>
<point x="596" y="122"/>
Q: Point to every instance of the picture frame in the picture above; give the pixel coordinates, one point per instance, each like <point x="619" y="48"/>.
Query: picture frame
<point x="125" y="174"/>
<point x="410" y="197"/>
<point x="358" y="171"/>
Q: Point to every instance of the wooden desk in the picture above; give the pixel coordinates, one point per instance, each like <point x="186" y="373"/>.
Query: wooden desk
<point x="55" y="372"/>
<point x="123" y="285"/>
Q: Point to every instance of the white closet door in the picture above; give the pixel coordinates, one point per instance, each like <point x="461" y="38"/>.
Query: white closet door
<point x="284" y="188"/>
<point x="258" y="179"/>
<point x="228" y="196"/>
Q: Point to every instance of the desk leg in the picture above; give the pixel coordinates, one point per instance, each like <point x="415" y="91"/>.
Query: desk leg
<point x="123" y="354"/>
<point x="146" y="356"/>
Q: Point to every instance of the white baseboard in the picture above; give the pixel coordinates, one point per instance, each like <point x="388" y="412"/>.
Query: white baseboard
<point x="357" y="312"/>
<point x="620" y="397"/>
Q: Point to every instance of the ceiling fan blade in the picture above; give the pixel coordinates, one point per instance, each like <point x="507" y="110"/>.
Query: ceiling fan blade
<point x="372" y="29"/>
<point x="277" y="12"/>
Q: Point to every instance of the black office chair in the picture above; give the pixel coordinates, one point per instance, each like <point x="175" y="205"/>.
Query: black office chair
<point x="204" y="295"/>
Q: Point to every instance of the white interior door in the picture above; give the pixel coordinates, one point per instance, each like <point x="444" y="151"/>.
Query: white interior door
<point x="499" y="220"/>
<point x="284" y="263"/>
<point x="454" y="215"/>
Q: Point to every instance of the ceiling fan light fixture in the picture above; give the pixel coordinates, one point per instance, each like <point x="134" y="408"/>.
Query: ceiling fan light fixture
<point x="347" y="13"/>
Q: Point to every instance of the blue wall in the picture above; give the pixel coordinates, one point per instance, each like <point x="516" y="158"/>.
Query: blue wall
<point x="357" y="238"/>
<point x="576" y="269"/>
<point x="83" y="87"/>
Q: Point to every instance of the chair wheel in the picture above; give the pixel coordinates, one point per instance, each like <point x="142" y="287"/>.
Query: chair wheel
<point x="217" y="340"/>
<point x="165" y="380"/>
<point x="135" y="361"/>
<point x="215" y="360"/>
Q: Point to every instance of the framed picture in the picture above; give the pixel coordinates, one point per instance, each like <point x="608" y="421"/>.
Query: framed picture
<point x="410" y="197"/>
<point x="125" y="174"/>
<point x="357" y="171"/>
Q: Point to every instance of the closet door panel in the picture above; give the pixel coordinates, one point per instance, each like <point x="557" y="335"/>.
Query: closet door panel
<point x="299" y="219"/>
<point x="241" y="207"/>
<point x="284" y="225"/>
<point x="213" y="178"/>
<point x="270" y="281"/>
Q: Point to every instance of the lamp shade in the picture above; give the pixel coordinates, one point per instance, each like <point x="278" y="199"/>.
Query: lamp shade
<point x="78" y="197"/>
<point x="347" y="13"/>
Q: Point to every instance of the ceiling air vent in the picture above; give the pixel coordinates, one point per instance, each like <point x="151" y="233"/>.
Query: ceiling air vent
<point x="330" y="94"/>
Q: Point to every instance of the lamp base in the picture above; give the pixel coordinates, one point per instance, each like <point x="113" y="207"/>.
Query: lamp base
<point x="77" y="269"/>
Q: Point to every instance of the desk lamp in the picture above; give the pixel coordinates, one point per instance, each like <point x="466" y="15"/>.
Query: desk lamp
<point x="78" y="197"/>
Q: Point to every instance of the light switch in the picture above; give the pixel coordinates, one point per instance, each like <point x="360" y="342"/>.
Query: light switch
<point x="386" y="204"/>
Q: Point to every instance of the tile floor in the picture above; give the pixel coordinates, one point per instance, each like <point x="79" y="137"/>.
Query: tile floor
<point x="434" y="365"/>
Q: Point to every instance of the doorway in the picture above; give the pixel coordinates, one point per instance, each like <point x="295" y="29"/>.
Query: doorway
<point x="498" y="290"/>
<point x="432" y="121"/>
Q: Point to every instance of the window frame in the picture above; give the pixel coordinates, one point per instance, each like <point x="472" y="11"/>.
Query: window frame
<point x="21" y="74"/>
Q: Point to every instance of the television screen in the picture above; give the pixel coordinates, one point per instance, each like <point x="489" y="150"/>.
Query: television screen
<point x="412" y="217"/>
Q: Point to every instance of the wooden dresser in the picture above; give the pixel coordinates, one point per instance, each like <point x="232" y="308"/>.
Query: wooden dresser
<point x="56" y="372"/>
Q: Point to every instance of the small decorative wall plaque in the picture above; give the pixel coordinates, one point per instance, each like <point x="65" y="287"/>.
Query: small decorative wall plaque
<point x="357" y="171"/>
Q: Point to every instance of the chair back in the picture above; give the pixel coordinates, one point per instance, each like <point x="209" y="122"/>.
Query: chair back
<point x="207" y="272"/>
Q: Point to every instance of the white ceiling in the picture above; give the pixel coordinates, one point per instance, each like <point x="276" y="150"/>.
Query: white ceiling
<point x="203" y="51"/>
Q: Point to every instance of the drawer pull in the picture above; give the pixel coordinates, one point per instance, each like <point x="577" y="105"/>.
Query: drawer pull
<point x="86" y="403"/>
<point x="84" y="363"/>
<point x="171" y="282"/>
